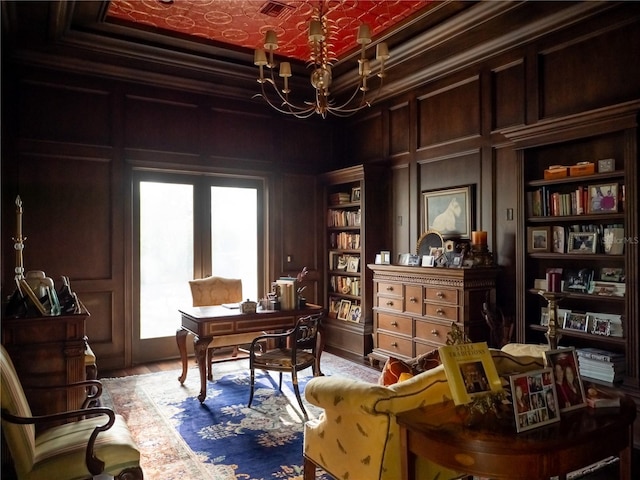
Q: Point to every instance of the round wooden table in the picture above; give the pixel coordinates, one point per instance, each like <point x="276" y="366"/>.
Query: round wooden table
<point x="495" y="450"/>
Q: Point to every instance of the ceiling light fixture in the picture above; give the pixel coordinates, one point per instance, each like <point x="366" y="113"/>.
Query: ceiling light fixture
<point x="320" y="60"/>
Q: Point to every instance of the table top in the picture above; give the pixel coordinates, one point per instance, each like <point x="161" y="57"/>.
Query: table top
<point x="446" y="423"/>
<point x="219" y="311"/>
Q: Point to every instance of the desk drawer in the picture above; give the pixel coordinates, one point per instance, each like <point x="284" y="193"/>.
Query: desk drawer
<point x="395" y="345"/>
<point x="389" y="289"/>
<point x="413" y="299"/>
<point x="431" y="331"/>
<point x="394" y="324"/>
<point x="442" y="295"/>
<point x="445" y="312"/>
<point x="389" y="303"/>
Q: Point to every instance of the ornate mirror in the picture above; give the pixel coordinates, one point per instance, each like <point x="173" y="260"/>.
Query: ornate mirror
<point x="427" y="241"/>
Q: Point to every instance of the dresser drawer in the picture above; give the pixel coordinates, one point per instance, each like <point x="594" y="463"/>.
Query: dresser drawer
<point x="445" y="312"/>
<point x="389" y="289"/>
<point x="395" y="324"/>
<point x="395" y="345"/>
<point x="413" y="299"/>
<point x="389" y="303"/>
<point x="443" y="295"/>
<point x="432" y="332"/>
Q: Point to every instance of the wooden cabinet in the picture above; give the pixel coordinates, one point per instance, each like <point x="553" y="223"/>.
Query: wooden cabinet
<point x="415" y="307"/>
<point x="48" y="351"/>
<point x="598" y="282"/>
<point x="358" y="227"/>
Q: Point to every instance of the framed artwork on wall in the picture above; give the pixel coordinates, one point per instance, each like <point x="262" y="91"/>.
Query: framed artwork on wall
<point x="449" y="211"/>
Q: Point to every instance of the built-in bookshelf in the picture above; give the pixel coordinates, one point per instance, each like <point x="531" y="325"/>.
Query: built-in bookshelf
<point x="357" y="226"/>
<point x="579" y="235"/>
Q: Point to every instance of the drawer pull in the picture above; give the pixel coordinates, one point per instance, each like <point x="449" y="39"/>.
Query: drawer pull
<point x="389" y="303"/>
<point x="434" y="332"/>
<point x="440" y="295"/>
<point x="389" y="288"/>
<point x="413" y="299"/>
<point x="440" y="311"/>
<point x="394" y="324"/>
<point x="394" y="345"/>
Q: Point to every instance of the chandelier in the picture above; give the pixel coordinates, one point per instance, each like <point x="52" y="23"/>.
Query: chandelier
<point x="320" y="61"/>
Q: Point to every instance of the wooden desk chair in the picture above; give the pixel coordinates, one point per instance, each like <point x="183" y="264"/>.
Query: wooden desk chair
<point x="89" y="446"/>
<point x="215" y="291"/>
<point x="297" y="352"/>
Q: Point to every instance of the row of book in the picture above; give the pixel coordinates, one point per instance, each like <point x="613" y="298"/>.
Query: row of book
<point x="344" y="218"/>
<point x="344" y="240"/>
<point x="601" y="365"/>
<point x="339" y="198"/>
<point x="345" y="285"/>
<point x="542" y="202"/>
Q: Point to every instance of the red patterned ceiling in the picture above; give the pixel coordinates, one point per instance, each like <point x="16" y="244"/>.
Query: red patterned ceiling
<point x="241" y="23"/>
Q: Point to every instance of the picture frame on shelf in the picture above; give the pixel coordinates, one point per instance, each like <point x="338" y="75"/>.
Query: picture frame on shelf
<point x="403" y="258"/>
<point x="414" y="261"/>
<point x="607" y="324"/>
<point x="558" y="239"/>
<point x="582" y="242"/>
<point x="606" y="165"/>
<point x="535" y="400"/>
<point x="612" y="274"/>
<point x="448" y="211"/>
<point x="569" y="387"/>
<point x="456" y="259"/>
<point x="603" y="198"/>
<point x="428" y="260"/>
<point x="355" y="194"/>
<point x="544" y="315"/>
<point x="613" y="240"/>
<point x="355" y="313"/>
<point x="334" y="307"/>
<point x="577" y="281"/>
<point x="345" y="308"/>
<point x="538" y="239"/>
<point x="353" y="263"/>
<point x="575" y="321"/>
<point x="385" y="257"/>
<point x="601" y="326"/>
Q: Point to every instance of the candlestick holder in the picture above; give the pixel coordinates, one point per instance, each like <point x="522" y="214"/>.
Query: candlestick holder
<point x="552" y="334"/>
<point x="480" y="256"/>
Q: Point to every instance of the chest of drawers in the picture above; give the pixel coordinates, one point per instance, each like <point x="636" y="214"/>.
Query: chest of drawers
<point x="414" y="307"/>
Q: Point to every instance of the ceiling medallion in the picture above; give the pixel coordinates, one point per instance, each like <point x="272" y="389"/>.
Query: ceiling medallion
<point x="320" y="60"/>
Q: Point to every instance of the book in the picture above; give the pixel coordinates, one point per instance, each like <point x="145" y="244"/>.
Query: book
<point x="470" y="371"/>
<point x="599" y="354"/>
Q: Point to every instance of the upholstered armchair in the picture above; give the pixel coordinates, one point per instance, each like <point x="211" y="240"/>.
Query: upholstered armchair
<point x="216" y="291"/>
<point x="96" y="442"/>
<point x="357" y="436"/>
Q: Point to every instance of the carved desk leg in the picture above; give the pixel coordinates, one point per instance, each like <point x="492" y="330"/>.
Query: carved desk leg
<point x="200" y="347"/>
<point x="181" y="340"/>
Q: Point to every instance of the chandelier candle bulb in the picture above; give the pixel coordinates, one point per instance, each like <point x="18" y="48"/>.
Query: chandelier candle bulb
<point x="364" y="34"/>
<point x="270" y="40"/>
<point x="382" y="51"/>
<point x="479" y="237"/>
<point x="259" y="57"/>
<point x="315" y="31"/>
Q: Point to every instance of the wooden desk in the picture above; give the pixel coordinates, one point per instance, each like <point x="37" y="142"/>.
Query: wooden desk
<point x="581" y="438"/>
<point x="220" y="327"/>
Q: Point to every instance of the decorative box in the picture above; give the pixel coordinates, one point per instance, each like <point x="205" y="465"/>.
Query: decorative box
<point x="555" y="171"/>
<point x="248" y="306"/>
<point x="582" y="168"/>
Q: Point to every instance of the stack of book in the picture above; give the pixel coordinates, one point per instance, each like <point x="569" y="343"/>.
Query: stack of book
<point x="601" y="365"/>
<point x="339" y="198"/>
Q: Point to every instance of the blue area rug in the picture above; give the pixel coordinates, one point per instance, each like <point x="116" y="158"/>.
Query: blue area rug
<point x="221" y="439"/>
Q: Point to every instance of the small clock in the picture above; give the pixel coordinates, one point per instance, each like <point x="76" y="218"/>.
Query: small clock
<point x="606" y="165"/>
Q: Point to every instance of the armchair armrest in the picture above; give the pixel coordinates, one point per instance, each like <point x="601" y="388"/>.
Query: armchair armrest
<point x="94" y="464"/>
<point x="94" y="393"/>
<point x="331" y="393"/>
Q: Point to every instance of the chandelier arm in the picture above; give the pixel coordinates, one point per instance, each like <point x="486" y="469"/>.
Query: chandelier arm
<point x="292" y="108"/>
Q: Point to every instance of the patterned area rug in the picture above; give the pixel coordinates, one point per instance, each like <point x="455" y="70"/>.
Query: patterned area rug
<point x="221" y="439"/>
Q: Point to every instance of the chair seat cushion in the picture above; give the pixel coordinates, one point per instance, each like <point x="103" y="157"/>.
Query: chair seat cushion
<point x="60" y="451"/>
<point x="281" y="357"/>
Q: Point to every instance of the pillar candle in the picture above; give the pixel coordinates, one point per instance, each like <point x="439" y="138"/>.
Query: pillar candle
<point x="479" y="238"/>
<point x="554" y="281"/>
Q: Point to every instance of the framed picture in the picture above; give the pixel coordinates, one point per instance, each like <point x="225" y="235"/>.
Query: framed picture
<point x="414" y="260"/>
<point x="355" y="312"/>
<point x="403" y="258"/>
<point x="603" y="198"/>
<point x="535" y="400"/>
<point x="578" y="281"/>
<point x="436" y="252"/>
<point x="334" y="307"/>
<point x="345" y="308"/>
<point x="355" y="194"/>
<point x="428" y="260"/>
<point x="612" y="274"/>
<point x="456" y="259"/>
<point x="570" y="390"/>
<point x="353" y="263"/>
<point x="606" y="165"/>
<point x="582" y="242"/>
<point x="538" y="239"/>
<point x="385" y="257"/>
<point x="544" y="315"/>
<point x="607" y="324"/>
<point x="557" y="236"/>
<point x="575" y="321"/>
<point x="448" y="212"/>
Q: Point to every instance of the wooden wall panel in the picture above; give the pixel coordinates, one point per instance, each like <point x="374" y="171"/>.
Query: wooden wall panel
<point x="591" y="72"/>
<point x="508" y="92"/>
<point x="399" y="129"/>
<point x="238" y="134"/>
<point x="50" y="111"/>
<point x="403" y="241"/>
<point x="99" y="330"/>
<point x="159" y="124"/>
<point x="364" y="140"/>
<point x="450" y="113"/>
<point x="67" y="216"/>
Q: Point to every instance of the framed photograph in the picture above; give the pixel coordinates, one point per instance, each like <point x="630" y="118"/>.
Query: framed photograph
<point x="355" y="194"/>
<point x="355" y="312"/>
<point x="612" y="274"/>
<point x="607" y="324"/>
<point x="606" y="165"/>
<point x="448" y="212"/>
<point x="603" y="198"/>
<point x="344" y="310"/>
<point x="428" y="260"/>
<point x="582" y="242"/>
<point x="570" y="390"/>
<point x="385" y="257"/>
<point x="414" y="261"/>
<point x="353" y="262"/>
<point x="535" y="400"/>
<point x="538" y="239"/>
<point x="575" y="321"/>
<point x="578" y="281"/>
<point x="456" y="259"/>
<point x="613" y="240"/>
<point x="557" y="236"/>
<point x="436" y="252"/>
<point x="334" y="307"/>
<point x="403" y="258"/>
<point x="544" y="315"/>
